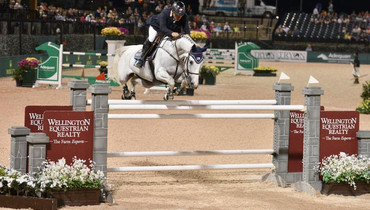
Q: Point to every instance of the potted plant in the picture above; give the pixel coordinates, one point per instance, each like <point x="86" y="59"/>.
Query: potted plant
<point x="209" y="73"/>
<point x="103" y="67"/>
<point x="364" y="107"/>
<point x="114" y="33"/>
<point x="18" y="76"/>
<point x="341" y="173"/>
<point x="264" y="71"/>
<point x="74" y="184"/>
<point x="25" y="73"/>
<point x="200" y="36"/>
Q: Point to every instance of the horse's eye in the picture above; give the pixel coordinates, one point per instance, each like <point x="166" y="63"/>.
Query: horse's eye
<point x="191" y="62"/>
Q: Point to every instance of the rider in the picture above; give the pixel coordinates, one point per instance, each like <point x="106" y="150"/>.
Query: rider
<point x="169" y="23"/>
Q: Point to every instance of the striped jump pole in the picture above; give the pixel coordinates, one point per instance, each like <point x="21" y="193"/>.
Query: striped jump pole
<point x="81" y="65"/>
<point x="87" y="53"/>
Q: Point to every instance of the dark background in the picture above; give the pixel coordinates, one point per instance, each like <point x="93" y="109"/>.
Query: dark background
<point x="346" y="6"/>
<point x="283" y="6"/>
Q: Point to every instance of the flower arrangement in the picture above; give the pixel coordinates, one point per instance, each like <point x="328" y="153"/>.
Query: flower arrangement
<point x="114" y="32"/>
<point x="198" y="35"/>
<point x="23" y="65"/>
<point x="345" y="168"/>
<point x="103" y="67"/>
<point x="123" y="30"/>
<point x="364" y="107"/>
<point x="54" y="176"/>
<point x="209" y="70"/>
<point x="13" y="182"/>
<point x="111" y="31"/>
<point x="261" y="68"/>
<point x="103" y="63"/>
<point x="28" y="63"/>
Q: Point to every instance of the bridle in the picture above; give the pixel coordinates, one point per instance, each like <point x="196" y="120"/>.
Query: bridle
<point x="186" y="61"/>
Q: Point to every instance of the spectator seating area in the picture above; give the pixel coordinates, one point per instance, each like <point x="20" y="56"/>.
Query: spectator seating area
<point x="307" y="27"/>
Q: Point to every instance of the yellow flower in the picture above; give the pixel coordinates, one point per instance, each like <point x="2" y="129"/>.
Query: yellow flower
<point x="209" y="69"/>
<point x="261" y="68"/>
<point x="111" y="31"/>
<point x="103" y="63"/>
<point x="198" y="35"/>
<point x="29" y="59"/>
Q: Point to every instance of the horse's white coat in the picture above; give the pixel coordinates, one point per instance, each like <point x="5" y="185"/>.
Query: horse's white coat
<point x="171" y="55"/>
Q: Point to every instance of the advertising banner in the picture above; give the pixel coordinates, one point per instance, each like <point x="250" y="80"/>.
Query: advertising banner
<point x="71" y="134"/>
<point x="338" y="132"/>
<point x="280" y="55"/>
<point x="326" y="57"/>
<point x="34" y="116"/>
<point x="295" y="150"/>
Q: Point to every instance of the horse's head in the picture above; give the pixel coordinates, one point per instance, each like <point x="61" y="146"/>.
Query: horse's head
<point x="192" y="65"/>
<point x="191" y="57"/>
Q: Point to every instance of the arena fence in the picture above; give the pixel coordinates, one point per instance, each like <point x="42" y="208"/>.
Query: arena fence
<point x="281" y="106"/>
<point x="307" y="180"/>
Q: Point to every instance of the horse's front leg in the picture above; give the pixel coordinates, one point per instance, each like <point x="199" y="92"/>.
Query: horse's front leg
<point x="133" y="84"/>
<point x="163" y="76"/>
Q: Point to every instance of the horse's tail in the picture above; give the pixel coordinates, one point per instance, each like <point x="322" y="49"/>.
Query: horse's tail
<point x="114" y="73"/>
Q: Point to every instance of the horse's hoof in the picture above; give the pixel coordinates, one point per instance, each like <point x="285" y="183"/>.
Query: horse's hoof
<point x="165" y="97"/>
<point x="126" y="97"/>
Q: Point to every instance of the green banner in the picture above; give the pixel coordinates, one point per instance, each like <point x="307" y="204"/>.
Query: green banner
<point x="336" y="57"/>
<point x="245" y="61"/>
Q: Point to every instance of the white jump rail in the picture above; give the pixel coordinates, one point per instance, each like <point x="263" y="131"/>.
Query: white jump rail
<point x="196" y="105"/>
<point x="190" y="167"/>
<point x="191" y="116"/>
<point x="190" y="153"/>
<point x="191" y="102"/>
<point x="210" y="107"/>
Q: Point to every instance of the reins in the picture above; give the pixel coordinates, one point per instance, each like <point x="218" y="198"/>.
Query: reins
<point x="186" y="71"/>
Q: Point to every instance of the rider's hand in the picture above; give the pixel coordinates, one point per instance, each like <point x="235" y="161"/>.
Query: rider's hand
<point x="175" y="34"/>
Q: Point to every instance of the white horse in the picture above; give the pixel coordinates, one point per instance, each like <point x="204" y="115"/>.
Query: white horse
<point x="177" y="60"/>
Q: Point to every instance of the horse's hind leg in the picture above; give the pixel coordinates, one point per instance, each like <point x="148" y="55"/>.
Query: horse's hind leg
<point x="126" y="93"/>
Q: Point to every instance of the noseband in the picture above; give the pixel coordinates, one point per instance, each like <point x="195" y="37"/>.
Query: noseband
<point x="186" y="71"/>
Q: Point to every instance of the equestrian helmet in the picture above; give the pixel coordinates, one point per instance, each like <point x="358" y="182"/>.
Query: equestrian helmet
<point x="178" y="7"/>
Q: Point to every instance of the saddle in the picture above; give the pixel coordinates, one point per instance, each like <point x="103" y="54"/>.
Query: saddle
<point x="151" y="53"/>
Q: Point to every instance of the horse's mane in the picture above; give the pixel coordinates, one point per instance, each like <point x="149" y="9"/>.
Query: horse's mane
<point x="186" y="36"/>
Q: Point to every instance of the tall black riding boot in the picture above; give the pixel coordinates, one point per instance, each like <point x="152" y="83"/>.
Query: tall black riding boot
<point x="144" y="53"/>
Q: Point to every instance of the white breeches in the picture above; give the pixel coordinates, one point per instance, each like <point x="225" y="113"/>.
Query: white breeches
<point x="152" y="34"/>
